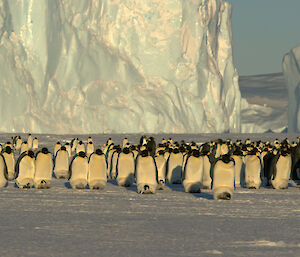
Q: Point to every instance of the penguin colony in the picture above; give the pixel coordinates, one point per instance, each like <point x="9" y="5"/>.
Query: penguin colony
<point x="218" y="165"/>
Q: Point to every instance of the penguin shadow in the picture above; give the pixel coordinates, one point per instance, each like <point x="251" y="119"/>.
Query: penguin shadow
<point x="180" y="188"/>
<point x="176" y="187"/>
<point x="133" y="187"/>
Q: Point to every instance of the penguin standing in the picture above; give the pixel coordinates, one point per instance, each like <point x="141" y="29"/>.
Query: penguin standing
<point x="56" y="148"/>
<point x="78" y="171"/>
<point x="206" y="179"/>
<point x="113" y="162"/>
<point x="61" y="163"/>
<point x="80" y="147"/>
<point x="125" y="167"/>
<point x="24" y="147"/>
<point x="9" y="157"/>
<point x="43" y="169"/>
<point x="18" y="143"/>
<point x="237" y="155"/>
<point x="35" y="144"/>
<point x="74" y="143"/>
<point x="174" y="167"/>
<point x="97" y="174"/>
<point x="68" y="148"/>
<point x="223" y="178"/>
<point x="161" y="164"/>
<point x="146" y="173"/>
<point x="3" y="172"/>
<point x="253" y="169"/>
<point x="282" y="170"/>
<point x="89" y="148"/>
<point x="193" y="173"/>
<point x="29" y="141"/>
<point x="25" y="169"/>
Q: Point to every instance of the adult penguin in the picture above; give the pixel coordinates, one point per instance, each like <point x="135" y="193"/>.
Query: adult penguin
<point x="61" y="163"/>
<point x="18" y="143"/>
<point x="56" y="148"/>
<point x="35" y="144"/>
<point x="174" y="167"/>
<point x="161" y="164"/>
<point x="80" y="147"/>
<point x="68" y="148"/>
<point x="74" y="143"/>
<point x="151" y="146"/>
<point x="29" y="141"/>
<point x="281" y="169"/>
<point x="78" y="171"/>
<point x="237" y="155"/>
<point x="25" y="169"/>
<point x="9" y="157"/>
<point x="193" y="173"/>
<point x="206" y="179"/>
<point x="125" y="167"/>
<point x="97" y="174"/>
<point x="146" y="173"/>
<point x="113" y="162"/>
<point x="295" y="174"/>
<point x="253" y="169"/>
<point x="223" y="178"/>
<point x="3" y="172"/>
<point x="90" y="148"/>
<point x="43" y="169"/>
<point x="24" y="147"/>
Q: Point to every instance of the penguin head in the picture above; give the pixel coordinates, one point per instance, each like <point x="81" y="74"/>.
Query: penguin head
<point x="80" y="142"/>
<point x="196" y="153"/>
<point x="63" y="148"/>
<point x="176" y="150"/>
<point x="182" y="149"/>
<point x="81" y="154"/>
<point x="126" y="150"/>
<point x="7" y="149"/>
<point x="99" y="152"/>
<point x="67" y="143"/>
<point x="132" y="147"/>
<point x="90" y="142"/>
<point x="8" y="143"/>
<point x="144" y="153"/>
<point x="226" y="158"/>
<point x="58" y="143"/>
<point x="161" y="152"/>
<point x="45" y="150"/>
<point x="30" y="154"/>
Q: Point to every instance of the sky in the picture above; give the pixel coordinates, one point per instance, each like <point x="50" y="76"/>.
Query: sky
<point x="263" y="31"/>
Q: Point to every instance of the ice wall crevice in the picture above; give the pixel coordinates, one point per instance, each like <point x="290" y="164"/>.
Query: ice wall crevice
<point x="117" y="67"/>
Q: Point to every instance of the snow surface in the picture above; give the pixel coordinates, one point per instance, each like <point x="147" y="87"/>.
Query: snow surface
<point x="102" y="66"/>
<point x="291" y="71"/>
<point x="119" y="222"/>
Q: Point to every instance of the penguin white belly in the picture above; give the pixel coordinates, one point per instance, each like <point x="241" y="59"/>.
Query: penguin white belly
<point x="10" y="163"/>
<point x="35" y="144"/>
<point x="43" y="171"/>
<point x="79" y="175"/>
<point x="161" y="163"/>
<point x="24" y="148"/>
<point x="193" y="174"/>
<point x="223" y="180"/>
<point x="237" y="169"/>
<point x="252" y="172"/>
<point x="18" y="144"/>
<point x="61" y="168"/>
<point x="97" y="176"/>
<point x="26" y="172"/>
<point x="126" y="166"/>
<point x="80" y="148"/>
<point x="89" y="149"/>
<point x="206" y="180"/>
<point x="283" y="171"/>
<point x="174" y="173"/>
<point x="3" y="180"/>
<point x="146" y="175"/>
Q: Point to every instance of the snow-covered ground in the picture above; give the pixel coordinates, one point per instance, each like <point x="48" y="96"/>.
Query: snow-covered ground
<point x="119" y="222"/>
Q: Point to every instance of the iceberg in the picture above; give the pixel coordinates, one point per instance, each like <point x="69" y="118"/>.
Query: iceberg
<point x="130" y="66"/>
<point x="291" y="71"/>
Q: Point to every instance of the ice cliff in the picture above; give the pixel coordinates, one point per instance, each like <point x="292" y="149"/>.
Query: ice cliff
<point x="291" y="71"/>
<point x="121" y="66"/>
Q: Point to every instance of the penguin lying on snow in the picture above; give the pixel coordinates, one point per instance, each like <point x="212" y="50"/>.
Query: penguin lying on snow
<point x="223" y="178"/>
<point x="146" y="173"/>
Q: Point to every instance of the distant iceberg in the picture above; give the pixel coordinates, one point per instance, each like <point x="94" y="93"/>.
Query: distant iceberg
<point x="126" y="66"/>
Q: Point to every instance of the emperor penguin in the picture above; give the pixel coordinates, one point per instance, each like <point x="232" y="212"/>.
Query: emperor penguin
<point x="97" y="174"/>
<point x="9" y="157"/>
<point x="143" y="140"/>
<point x="206" y="179"/>
<point x="56" y="148"/>
<point x="281" y="171"/>
<point x="238" y="155"/>
<point x="161" y="164"/>
<point x="223" y="178"/>
<point x="174" y="167"/>
<point x="252" y="169"/>
<point x="43" y="169"/>
<point x="78" y="171"/>
<point x="29" y="141"/>
<point x="68" y="149"/>
<point x="134" y="151"/>
<point x="151" y="146"/>
<point x="90" y="140"/>
<point x="18" y="143"/>
<point x="8" y="143"/>
<point x="80" y="147"/>
<point x="193" y="173"/>
<point x="295" y="174"/>
<point x="113" y="162"/>
<point x="74" y="143"/>
<point x="125" y="142"/>
<point x="3" y="172"/>
<point x="61" y="163"/>
<point x="146" y="173"/>
<point x="24" y="147"/>
<point x="35" y="144"/>
<point x="90" y="148"/>
<point x="25" y="170"/>
<point x="125" y="167"/>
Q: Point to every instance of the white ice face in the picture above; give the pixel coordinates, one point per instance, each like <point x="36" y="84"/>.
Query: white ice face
<point x="291" y="71"/>
<point x="117" y="66"/>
